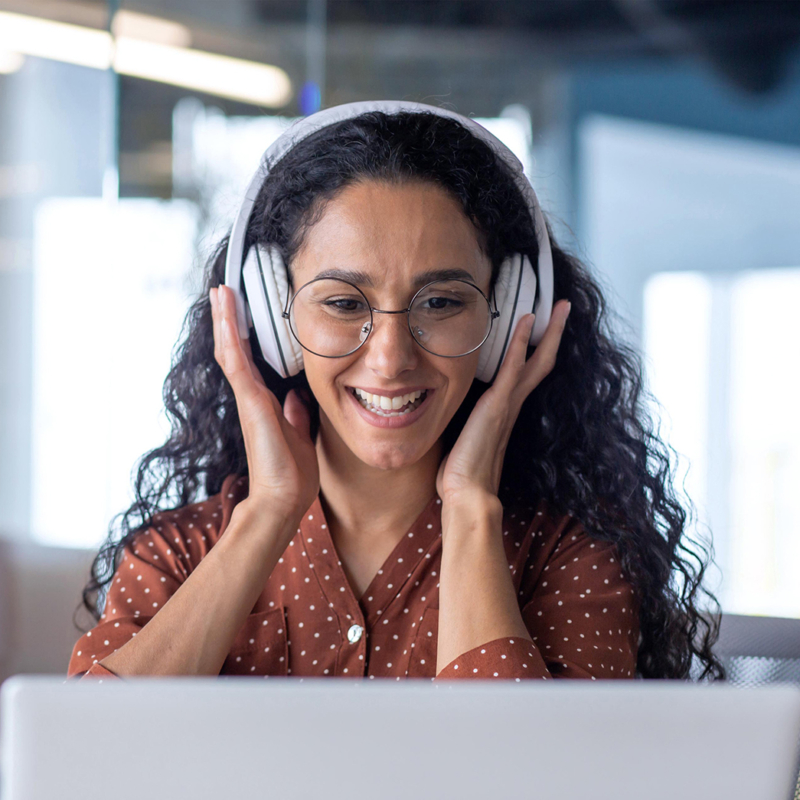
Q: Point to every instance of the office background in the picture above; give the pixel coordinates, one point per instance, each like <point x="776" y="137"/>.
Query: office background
<point x="662" y="136"/>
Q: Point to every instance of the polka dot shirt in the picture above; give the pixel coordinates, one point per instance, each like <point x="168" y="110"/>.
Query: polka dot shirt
<point x="577" y="606"/>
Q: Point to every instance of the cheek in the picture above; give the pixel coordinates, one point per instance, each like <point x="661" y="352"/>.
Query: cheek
<point x="463" y="371"/>
<point x="460" y="376"/>
<point x="321" y="374"/>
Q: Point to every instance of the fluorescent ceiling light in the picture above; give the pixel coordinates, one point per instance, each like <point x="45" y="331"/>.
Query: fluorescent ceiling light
<point x="206" y="72"/>
<point x="133" y="25"/>
<point x="235" y="78"/>
<point x="60" y="41"/>
<point x="10" y="62"/>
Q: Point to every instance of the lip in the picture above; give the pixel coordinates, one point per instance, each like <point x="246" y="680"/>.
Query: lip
<point x="391" y="422"/>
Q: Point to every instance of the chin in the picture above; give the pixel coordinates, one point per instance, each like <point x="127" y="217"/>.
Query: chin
<point x="389" y="456"/>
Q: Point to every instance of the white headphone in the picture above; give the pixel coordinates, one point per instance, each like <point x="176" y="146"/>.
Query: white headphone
<point x="267" y="282"/>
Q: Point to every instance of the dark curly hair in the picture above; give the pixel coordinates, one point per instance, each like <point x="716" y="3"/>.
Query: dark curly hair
<point x="584" y="440"/>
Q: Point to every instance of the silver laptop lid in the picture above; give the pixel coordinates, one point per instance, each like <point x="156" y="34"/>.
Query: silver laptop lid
<point x="291" y="738"/>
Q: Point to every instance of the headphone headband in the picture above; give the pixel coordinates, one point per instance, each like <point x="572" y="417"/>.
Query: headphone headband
<point x="305" y="126"/>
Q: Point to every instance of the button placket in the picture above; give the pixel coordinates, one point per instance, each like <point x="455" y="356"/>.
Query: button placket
<point x="337" y="592"/>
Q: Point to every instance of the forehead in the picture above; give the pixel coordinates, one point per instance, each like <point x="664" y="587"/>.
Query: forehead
<point x="377" y="234"/>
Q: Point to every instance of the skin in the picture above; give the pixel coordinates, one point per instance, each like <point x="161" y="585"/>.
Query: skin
<point x="393" y="233"/>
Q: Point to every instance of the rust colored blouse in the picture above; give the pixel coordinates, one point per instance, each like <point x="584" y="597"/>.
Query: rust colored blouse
<point x="579" y="609"/>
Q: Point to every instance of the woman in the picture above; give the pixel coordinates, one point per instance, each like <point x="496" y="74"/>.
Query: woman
<point x="383" y="513"/>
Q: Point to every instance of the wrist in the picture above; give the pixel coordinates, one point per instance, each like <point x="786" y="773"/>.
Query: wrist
<point x="257" y="521"/>
<point x="474" y="512"/>
<point x="472" y="500"/>
<point x="265" y="508"/>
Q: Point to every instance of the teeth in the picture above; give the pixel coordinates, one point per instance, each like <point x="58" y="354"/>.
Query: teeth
<point x="388" y="403"/>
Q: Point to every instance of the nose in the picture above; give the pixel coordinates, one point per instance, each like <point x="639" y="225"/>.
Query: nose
<point x="390" y="348"/>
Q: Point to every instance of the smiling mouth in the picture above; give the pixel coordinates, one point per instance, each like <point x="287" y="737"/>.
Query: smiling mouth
<point x="383" y="412"/>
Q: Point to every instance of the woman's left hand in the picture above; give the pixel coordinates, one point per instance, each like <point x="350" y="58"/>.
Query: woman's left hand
<point x="475" y="463"/>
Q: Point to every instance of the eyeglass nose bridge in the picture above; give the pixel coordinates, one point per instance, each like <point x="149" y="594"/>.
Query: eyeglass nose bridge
<point x="368" y="327"/>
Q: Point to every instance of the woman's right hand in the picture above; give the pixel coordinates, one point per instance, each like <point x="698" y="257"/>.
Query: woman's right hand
<point x="281" y="457"/>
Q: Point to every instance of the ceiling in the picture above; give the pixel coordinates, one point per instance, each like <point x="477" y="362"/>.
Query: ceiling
<point x="479" y="55"/>
<point x="379" y="47"/>
<point x="747" y="41"/>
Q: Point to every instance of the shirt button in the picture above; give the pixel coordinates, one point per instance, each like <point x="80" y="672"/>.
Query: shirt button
<point x="354" y="633"/>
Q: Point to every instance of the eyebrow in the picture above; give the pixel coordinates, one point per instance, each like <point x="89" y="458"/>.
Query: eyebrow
<point x="363" y="279"/>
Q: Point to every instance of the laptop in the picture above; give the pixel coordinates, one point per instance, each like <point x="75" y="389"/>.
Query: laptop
<point x="289" y="738"/>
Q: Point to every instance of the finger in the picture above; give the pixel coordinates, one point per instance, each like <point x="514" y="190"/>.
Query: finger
<point x="518" y="347"/>
<point x="543" y="360"/>
<point x="296" y="412"/>
<point x="245" y="344"/>
<point x="215" y="319"/>
<point x="510" y="372"/>
<point x="237" y="366"/>
<point x="440" y="476"/>
<point x="247" y="382"/>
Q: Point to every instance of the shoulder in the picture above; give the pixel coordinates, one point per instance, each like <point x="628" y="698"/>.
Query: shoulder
<point x="542" y="522"/>
<point x="549" y="537"/>
<point x="189" y="532"/>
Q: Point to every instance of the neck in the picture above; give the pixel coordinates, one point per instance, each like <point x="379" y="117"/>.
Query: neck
<point x="357" y="497"/>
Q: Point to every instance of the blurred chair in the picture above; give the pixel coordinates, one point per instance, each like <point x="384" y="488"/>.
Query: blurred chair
<point x="760" y="650"/>
<point x="40" y="588"/>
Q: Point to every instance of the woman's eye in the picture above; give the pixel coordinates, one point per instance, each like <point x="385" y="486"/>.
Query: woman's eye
<point x="439" y="303"/>
<point x="343" y="304"/>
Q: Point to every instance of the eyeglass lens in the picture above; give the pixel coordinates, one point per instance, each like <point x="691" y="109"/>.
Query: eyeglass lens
<point x="332" y="318"/>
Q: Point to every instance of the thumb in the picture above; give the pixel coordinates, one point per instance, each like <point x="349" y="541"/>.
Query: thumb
<point x="440" y="476"/>
<point x="296" y="413"/>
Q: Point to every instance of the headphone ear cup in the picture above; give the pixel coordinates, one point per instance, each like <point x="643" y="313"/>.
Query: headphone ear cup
<point x="266" y="283"/>
<point x="514" y="293"/>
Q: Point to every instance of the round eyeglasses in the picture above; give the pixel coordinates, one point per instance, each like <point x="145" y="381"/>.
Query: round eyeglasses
<point x="332" y="318"/>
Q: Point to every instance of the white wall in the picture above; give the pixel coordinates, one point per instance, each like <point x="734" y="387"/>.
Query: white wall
<point x="656" y="198"/>
<point x="698" y="207"/>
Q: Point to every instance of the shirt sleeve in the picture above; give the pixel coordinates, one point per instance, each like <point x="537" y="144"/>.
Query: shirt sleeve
<point x="581" y="614"/>
<point x="154" y="565"/>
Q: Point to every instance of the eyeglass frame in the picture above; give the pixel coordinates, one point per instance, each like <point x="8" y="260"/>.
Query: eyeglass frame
<point x="493" y="315"/>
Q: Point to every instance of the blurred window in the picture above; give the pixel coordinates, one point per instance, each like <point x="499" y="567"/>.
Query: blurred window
<point x="111" y="286"/>
<point x="722" y="359"/>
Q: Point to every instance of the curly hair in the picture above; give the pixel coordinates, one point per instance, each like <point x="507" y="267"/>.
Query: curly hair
<point x="585" y="440"/>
